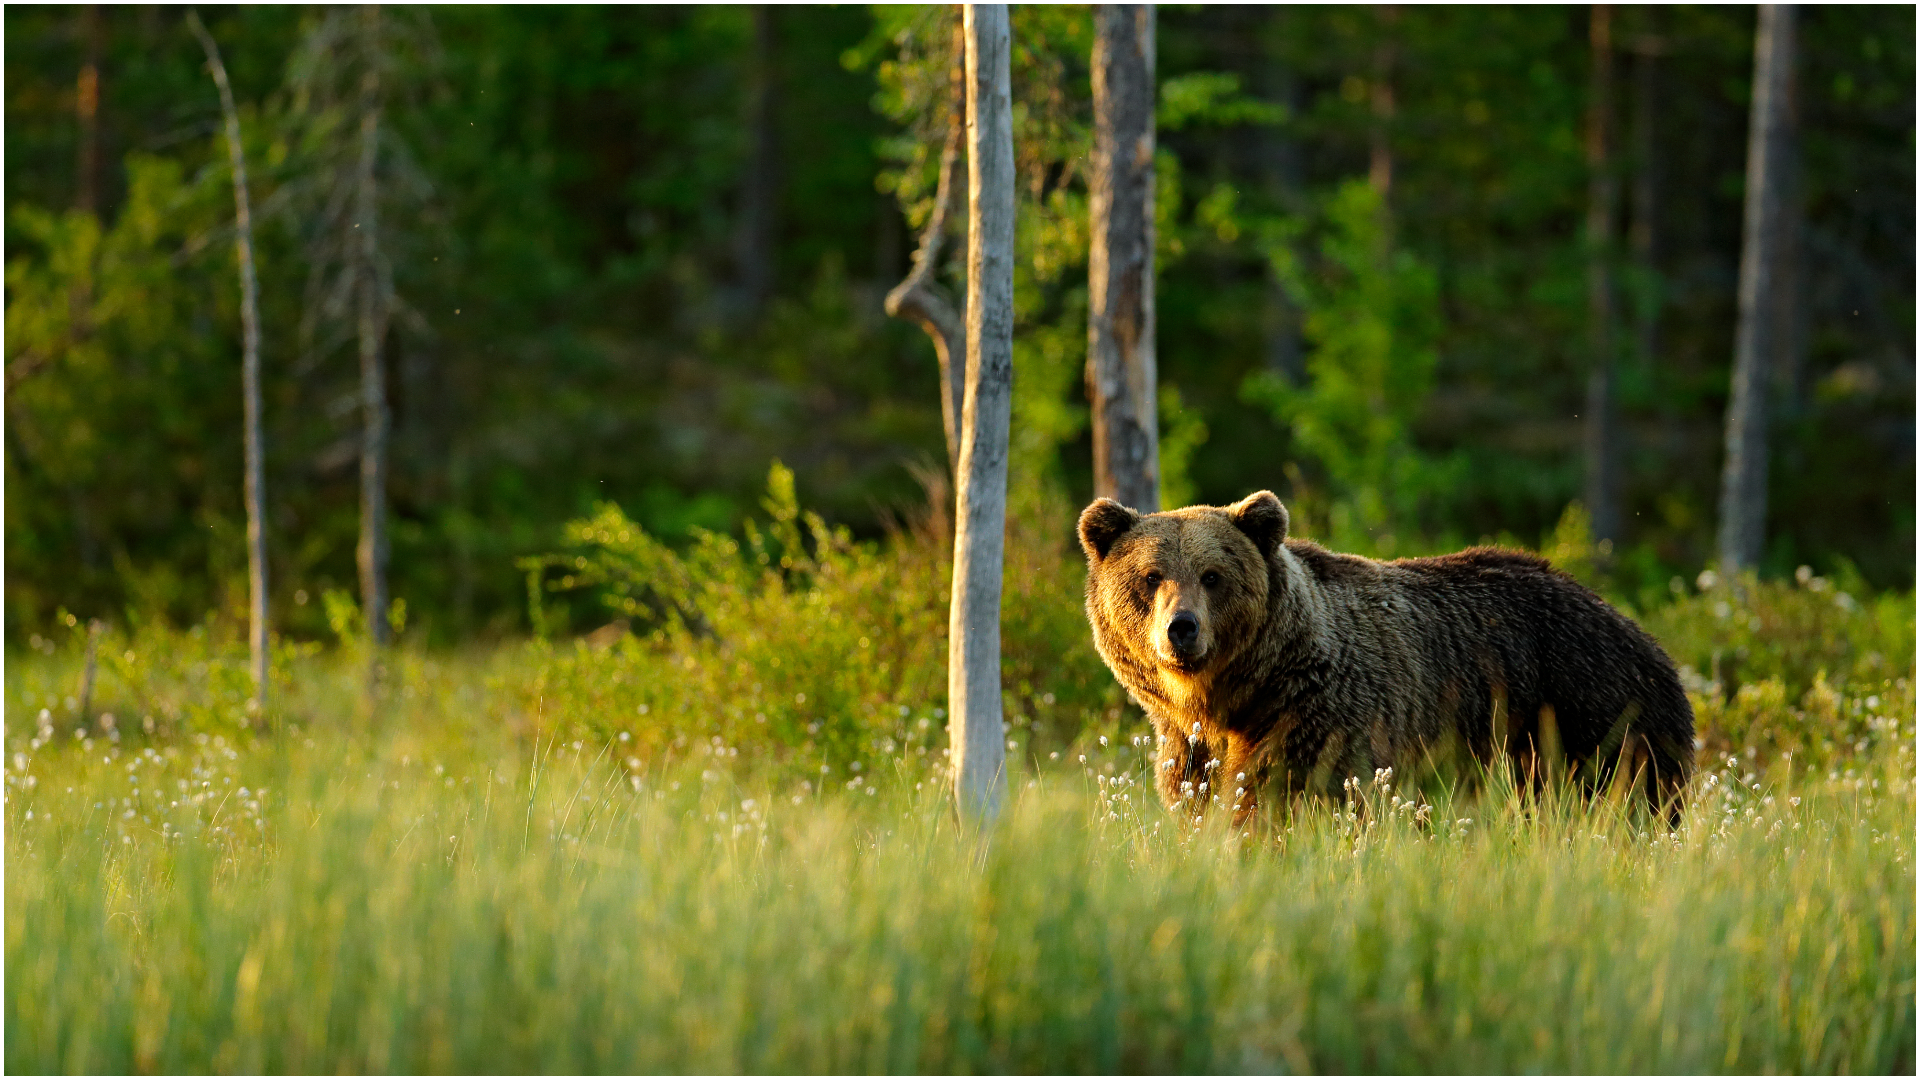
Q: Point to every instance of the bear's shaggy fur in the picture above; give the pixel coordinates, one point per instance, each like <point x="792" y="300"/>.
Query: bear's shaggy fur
<point x="1260" y="658"/>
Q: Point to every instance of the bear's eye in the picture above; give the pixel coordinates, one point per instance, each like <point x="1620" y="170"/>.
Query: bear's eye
<point x="1152" y="579"/>
<point x="1210" y="579"/>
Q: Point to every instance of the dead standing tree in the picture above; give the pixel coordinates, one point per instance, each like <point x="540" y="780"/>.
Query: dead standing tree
<point x="920" y="296"/>
<point x="374" y="282"/>
<point x="256" y="482"/>
<point x="973" y="631"/>
<point x="1121" y="376"/>
<point x="1743" y="488"/>
<point x="345" y="76"/>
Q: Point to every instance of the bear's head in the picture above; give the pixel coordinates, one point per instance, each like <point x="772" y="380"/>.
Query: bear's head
<point x="1183" y="590"/>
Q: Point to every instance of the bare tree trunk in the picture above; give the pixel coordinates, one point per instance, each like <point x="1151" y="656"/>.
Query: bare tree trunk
<point x="1121" y="375"/>
<point x="973" y="629"/>
<point x="920" y="296"/>
<point x="1643" y="233"/>
<point x="753" y="236"/>
<point x="1789" y="285"/>
<point x="372" y="332"/>
<point x="1602" y="451"/>
<point x="1743" y="487"/>
<point x="256" y="482"/>
<point x="86" y="107"/>
<point x="1381" y="103"/>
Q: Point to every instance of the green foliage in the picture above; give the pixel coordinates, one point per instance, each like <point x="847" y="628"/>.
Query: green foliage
<point x="1741" y="631"/>
<point x="1371" y="316"/>
<point x="1571" y="547"/>
<point x="1182" y="431"/>
<point x="1211" y="97"/>
<point x="820" y="656"/>
<point x="105" y="429"/>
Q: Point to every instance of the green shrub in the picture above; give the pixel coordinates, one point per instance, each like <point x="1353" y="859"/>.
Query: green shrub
<point x="1730" y="632"/>
<point x="823" y="658"/>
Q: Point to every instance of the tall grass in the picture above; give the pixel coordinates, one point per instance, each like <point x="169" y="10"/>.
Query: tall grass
<point x="352" y="907"/>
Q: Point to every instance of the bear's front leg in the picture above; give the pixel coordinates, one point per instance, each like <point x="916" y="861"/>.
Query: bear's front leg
<point x="1180" y="769"/>
<point x="1238" y="778"/>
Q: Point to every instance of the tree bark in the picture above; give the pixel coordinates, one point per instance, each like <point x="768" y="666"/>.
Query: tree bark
<point x="1121" y="375"/>
<point x="1603" y="187"/>
<point x="1743" y="487"/>
<point x="372" y="331"/>
<point x="1789" y="285"/>
<point x="920" y="297"/>
<point x="753" y="237"/>
<point x="256" y="480"/>
<point x="973" y="631"/>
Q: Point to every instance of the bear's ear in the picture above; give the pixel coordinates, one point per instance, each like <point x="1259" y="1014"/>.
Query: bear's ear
<point x="1103" y="523"/>
<point x="1262" y="518"/>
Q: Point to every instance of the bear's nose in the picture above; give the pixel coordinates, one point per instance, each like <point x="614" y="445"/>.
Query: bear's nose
<point x="1183" y="631"/>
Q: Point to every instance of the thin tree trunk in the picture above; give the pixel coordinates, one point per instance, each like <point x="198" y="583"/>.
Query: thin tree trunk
<point x="920" y="297"/>
<point x="1121" y="376"/>
<point x="1790" y="306"/>
<point x="973" y="630"/>
<point x="1602" y="451"/>
<point x="753" y="237"/>
<point x="1743" y="486"/>
<point x="1381" y="103"/>
<point x="1643" y="233"/>
<point x="256" y="482"/>
<point x="86" y="103"/>
<point x="372" y="332"/>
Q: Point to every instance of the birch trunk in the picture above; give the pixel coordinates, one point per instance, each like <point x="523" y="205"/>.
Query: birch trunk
<point x="1121" y="376"/>
<point x="973" y="632"/>
<point x="372" y="331"/>
<point x="1743" y="483"/>
<point x="1603" y="186"/>
<point x="256" y="479"/>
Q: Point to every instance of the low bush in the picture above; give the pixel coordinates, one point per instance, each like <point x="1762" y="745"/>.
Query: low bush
<point x="822" y="657"/>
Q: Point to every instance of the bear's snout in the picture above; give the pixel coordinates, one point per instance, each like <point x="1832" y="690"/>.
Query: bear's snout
<point x="1183" y="633"/>
<point x="1183" y="640"/>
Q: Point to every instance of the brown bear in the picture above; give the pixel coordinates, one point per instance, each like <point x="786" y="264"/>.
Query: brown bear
<point x="1260" y="657"/>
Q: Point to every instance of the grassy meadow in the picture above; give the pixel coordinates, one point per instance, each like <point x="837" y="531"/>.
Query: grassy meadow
<point x="712" y="837"/>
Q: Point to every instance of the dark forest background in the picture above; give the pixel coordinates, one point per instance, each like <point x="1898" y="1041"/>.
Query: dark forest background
<point x="642" y="253"/>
